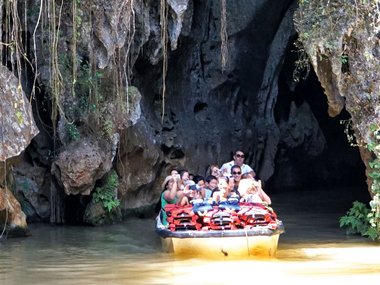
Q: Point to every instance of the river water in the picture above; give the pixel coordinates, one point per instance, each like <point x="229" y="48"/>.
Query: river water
<point x="314" y="250"/>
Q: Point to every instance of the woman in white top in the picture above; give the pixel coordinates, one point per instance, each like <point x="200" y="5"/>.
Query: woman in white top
<point x="251" y="191"/>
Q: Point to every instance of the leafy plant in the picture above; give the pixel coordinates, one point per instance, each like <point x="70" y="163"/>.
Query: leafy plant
<point x="356" y="219"/>
<point x="107" y="193"/>
<point x="73" y="132"/>
<point x="359" y="218"/>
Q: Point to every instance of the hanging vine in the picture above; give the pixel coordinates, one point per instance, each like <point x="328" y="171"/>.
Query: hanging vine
<point x="56" y="81"/>
<point x="131" y="27"/>
<point x="74" y="46"/>
<point x="164" y="44"/>
<point x="223" y="34"/>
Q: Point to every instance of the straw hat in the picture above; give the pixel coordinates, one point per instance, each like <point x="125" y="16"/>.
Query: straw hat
<point x="167" y="179"/>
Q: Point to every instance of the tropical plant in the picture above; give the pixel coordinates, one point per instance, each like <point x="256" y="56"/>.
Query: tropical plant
<point x="360" y="219"/>
<point x="107" y="193"/>
<point x="356" y="220"/>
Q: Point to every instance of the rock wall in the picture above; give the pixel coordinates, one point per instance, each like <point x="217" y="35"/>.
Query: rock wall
<point x="111" y="112"/>
<point x="346" y="59"/>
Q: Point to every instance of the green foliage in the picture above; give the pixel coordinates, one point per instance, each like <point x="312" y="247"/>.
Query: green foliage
<point x="20" y="119"/>
<point x="374" y="217"/>
<point x="88" y="79"/>
<point x="359" y="218"/>
<point x="73" y="132"/>
<point x="355" y="221"/>
<point x="107" y="193"/>
<point x="302" y="63"/>
<point x="108" y="128"/>
<point x="348" y="130"/>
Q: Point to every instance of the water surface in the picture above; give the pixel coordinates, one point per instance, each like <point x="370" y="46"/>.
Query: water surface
<point x="313" y="250"/>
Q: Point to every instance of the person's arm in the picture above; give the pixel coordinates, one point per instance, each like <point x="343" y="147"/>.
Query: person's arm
<point x="264" y="196"/>
<point x="216" y="196"/>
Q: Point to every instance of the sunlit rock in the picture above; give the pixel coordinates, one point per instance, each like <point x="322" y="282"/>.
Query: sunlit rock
<point x="17" y="126"/>
<point x="342" y="41"/>
<point x="11" y="215"/>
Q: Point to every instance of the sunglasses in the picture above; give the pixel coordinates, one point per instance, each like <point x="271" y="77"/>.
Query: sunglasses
<point x="240" y="155"/>
<point x="238" y="173"/>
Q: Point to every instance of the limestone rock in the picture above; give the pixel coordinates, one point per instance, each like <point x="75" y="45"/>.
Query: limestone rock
<point x="139" y="160"/>
<point x="17" y="126"/>
<point x="82" y="163"/>
<point x="11" y="215"/>
<point x="96" y="215"/>
<point x="346" y="58"/>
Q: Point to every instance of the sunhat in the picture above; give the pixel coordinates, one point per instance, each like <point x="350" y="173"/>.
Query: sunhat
<point x="167" y="179"/>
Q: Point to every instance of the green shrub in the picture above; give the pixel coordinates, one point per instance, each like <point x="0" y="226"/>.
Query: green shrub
<point x="356" y="219"/>
<point x="73" y="132"/>
<point x="107" y="193"/>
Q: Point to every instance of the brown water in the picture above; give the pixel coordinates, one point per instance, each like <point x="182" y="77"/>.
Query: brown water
<point x="313" y="250"/>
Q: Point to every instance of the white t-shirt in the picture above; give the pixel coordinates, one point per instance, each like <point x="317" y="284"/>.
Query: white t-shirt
<point x="226" y="167"/>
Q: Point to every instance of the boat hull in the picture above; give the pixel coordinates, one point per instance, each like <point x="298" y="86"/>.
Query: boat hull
<point x="257" y="242"/>
<point x="232" y="247"/>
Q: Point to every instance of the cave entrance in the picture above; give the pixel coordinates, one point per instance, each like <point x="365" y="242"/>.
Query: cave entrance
<point x="320" y="157"/>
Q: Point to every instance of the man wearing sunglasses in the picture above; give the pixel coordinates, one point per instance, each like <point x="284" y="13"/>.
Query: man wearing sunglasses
<point x="238" y="159"/>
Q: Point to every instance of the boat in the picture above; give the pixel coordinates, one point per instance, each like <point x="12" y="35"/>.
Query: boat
<point x="229" y="229"/>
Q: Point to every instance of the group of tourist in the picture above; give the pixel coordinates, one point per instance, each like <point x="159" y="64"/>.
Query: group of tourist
<point x="234" y="179"/>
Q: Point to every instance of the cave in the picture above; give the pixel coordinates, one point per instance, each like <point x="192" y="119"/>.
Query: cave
<point x="338" y="167"/>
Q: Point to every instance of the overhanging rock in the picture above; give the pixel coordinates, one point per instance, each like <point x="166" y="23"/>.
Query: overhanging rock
<point x="17" y="126"/>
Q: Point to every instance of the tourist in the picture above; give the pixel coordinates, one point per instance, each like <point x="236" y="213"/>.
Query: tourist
<point x="213" y="169"/>
<point x="238" y="159"/>
<point x="171" y="195"/>
<point x="223" y="191"/>
<point x="236" y="175"/>
<point x="251" y="191"/>
<point x="211" y="185"/>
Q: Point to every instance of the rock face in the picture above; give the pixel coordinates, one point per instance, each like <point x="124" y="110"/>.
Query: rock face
<point x="81" y="165"/>
<point x="108" y="109"/>
<point x="17" y="126"/>
<point x="11" y="215"/>
<point x="346" y="59"/>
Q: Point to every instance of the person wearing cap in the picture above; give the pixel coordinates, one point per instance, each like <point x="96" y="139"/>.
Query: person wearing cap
<point x="170" y="195"/>
<point x="238" y="159"/>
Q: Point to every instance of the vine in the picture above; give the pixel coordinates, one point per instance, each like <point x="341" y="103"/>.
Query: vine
<point x="223" y="34"/>
<point x="164" y="44"/>
<point x="74" y="45"/>
<point x="56" y="81"/>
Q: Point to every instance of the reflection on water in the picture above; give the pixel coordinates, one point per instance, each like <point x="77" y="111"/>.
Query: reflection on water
<point x="314" y="249"/>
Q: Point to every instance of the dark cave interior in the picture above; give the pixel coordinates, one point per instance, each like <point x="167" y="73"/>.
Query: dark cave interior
<point x="339" y="167"/>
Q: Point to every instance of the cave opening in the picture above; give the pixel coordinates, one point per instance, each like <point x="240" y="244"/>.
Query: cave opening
<point x="319" y="155"/>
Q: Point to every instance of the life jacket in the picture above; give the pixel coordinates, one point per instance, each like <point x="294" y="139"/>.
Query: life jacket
<point x="227" y="215"/>
<point x="181" y="218"/>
